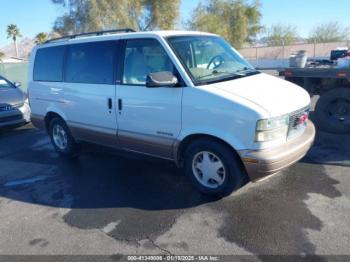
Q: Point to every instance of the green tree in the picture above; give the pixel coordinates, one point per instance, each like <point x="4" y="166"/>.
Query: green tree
<point x="41" y="38"/>
<point x="329" y="32"/>
<point x="94" y="15"/>
<point x="236" y="20"/>
<point x="13" y="32"/>
<point x="280" y="34"/>
<point x="2" y="55"/>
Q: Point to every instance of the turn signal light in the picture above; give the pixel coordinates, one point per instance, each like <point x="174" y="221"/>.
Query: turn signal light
<point x="250" y="160"/>
<point x="288" y="73"/>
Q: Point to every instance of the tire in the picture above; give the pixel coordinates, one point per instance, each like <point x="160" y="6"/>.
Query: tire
<point x="67" y="147"/>
<point x="333" y="111"/>
<point x="231" y="174"/>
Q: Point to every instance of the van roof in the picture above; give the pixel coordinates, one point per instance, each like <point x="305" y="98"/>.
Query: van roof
<point x="123" y="35"/>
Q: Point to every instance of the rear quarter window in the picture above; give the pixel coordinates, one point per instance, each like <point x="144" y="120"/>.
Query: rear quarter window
<point x="48" y="65"/>
<point x="91" y="63"/>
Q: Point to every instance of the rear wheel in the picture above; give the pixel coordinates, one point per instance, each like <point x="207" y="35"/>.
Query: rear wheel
<point x="62" y="139"/>
<point x="213" y="168"/>
<point x="333" y="111"/>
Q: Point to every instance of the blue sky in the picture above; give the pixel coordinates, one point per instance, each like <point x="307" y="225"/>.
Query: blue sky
<point x="33" y="16"/>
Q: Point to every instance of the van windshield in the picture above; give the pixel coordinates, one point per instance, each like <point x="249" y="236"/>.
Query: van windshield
<point x="209" y="59"/>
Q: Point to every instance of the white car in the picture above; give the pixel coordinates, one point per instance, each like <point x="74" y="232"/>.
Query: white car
<point x="188" y="97"/>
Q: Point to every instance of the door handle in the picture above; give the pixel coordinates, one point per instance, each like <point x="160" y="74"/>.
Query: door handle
<point x="109" y="103"/>
<point x="120" y="104"/>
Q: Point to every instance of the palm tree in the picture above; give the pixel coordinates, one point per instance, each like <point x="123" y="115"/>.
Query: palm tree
<point x="13" y="32"/>
<point x="41" y="38"/>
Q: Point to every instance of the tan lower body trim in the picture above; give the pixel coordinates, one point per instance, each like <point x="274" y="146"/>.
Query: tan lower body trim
<point x="130" y="141"/>
<point x="146" y="144"/>
<point x="38" y="121"/>
<point x="94" y="136"/>
<point x="139" y="143"/>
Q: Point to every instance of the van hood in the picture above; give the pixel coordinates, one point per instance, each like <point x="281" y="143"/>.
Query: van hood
<point x="11" y="96"/>
<point x="274" y="95"/>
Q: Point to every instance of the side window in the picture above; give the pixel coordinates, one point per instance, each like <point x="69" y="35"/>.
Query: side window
<point x="91" y="63"/>
<point x="142" y="57"/>
<point x="48" y="64"/>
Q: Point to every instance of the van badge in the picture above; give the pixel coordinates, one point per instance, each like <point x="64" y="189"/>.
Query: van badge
<point x="303" y="119"/>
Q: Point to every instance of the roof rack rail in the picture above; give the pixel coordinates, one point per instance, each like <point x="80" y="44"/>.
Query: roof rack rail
<point x="123" y="30"/>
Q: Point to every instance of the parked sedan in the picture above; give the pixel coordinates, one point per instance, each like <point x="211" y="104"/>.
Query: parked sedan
<point x="14" y="107"/>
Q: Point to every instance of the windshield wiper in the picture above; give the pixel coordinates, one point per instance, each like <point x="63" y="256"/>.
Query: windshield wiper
<point x="246" y="71"/>
<point x="215" y="72"/>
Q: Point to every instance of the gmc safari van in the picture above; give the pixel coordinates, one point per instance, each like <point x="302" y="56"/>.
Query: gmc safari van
<point x="188" y="97"/>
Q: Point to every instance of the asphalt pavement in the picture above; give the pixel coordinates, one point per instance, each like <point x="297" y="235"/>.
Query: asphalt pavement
<point x="109" y="203"/>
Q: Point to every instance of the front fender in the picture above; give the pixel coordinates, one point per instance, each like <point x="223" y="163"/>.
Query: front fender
<point x="229" y="138"/>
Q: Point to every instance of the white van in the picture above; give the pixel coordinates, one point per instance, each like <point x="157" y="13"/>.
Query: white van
<point x="188" y="97"/>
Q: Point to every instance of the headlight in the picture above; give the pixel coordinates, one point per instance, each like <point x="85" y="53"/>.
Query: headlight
<point x="272" y="123"/>
<point x="264" y="136"/>
<point x="272" y="129"/>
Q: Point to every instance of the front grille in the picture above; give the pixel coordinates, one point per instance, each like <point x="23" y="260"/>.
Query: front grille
<point x="10" y="118"/>
<point x="6" y="107"/>
<point x="294" y="121"/>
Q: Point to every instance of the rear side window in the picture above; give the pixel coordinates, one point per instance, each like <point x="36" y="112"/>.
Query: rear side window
<point x="48" y="64"/>
<point x="91" y="63"/>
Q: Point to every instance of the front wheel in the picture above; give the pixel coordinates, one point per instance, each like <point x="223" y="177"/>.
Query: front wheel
<point x="213" y="168"/>
<point x="62" y="139"/>
<point x="333" y="111"/>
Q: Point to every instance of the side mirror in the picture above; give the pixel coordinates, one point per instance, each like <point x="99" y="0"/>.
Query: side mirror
<point x="17" y="84"/>
<point x="161" y="79"/>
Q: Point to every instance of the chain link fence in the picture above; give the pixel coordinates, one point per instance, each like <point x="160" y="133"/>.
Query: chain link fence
<point x="272" y="57"/>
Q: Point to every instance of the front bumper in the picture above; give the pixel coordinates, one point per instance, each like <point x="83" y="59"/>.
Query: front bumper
<point x="262" y="163"/>
<point x="15" y="117"/>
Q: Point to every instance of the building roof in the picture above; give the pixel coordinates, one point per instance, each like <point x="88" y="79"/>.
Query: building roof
<point x="12" y="60"/>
